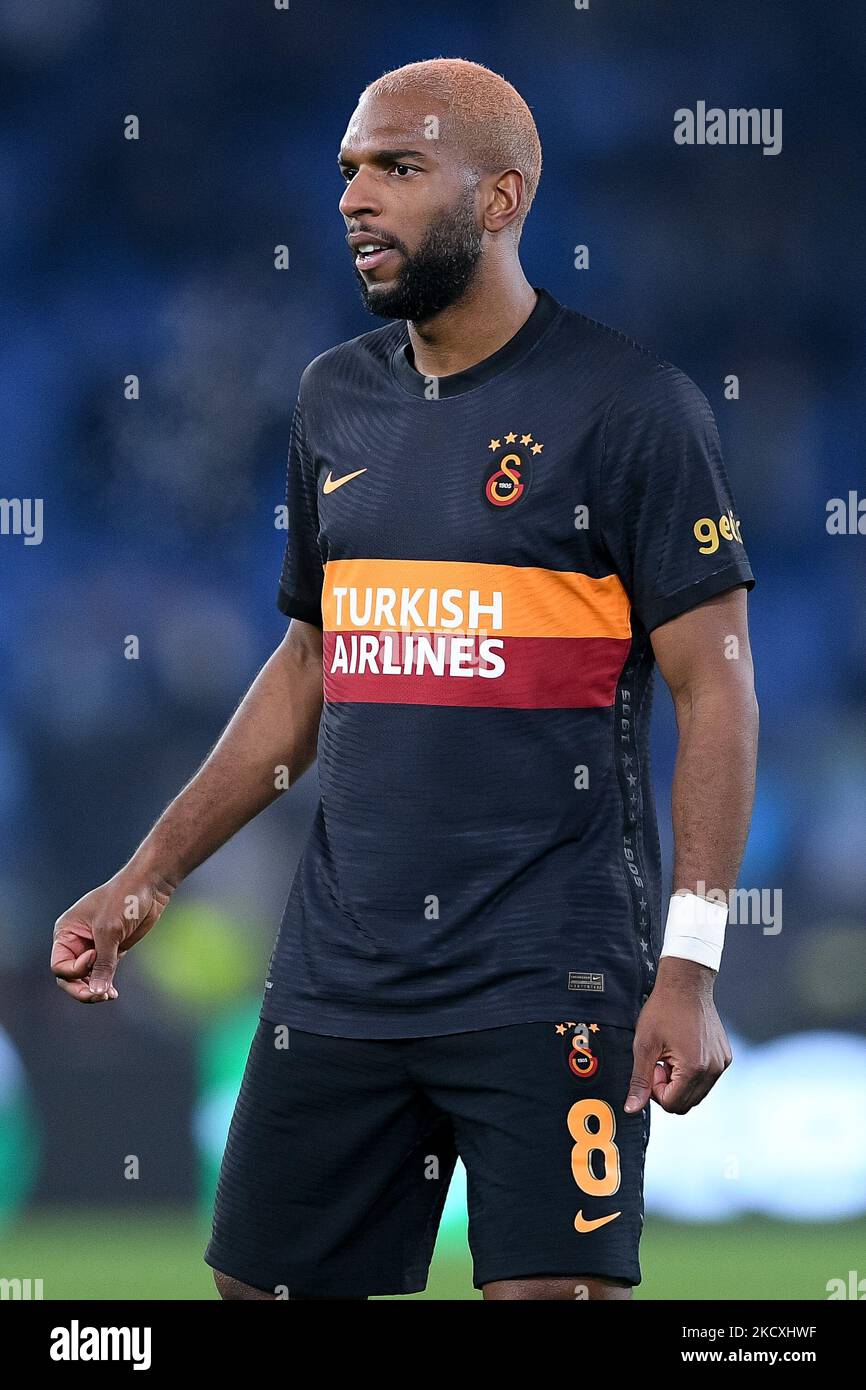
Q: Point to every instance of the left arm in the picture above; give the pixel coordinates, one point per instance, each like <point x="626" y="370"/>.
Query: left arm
<point x="704" y="656"/>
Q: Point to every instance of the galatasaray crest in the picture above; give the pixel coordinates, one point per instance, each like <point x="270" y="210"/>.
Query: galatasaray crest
<point x="508" y="474"/>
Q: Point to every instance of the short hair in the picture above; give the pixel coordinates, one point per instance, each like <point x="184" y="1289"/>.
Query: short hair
<point x="491" y="122"/>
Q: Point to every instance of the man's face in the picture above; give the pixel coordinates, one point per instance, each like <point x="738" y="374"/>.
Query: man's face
<point x="411" y="201"/>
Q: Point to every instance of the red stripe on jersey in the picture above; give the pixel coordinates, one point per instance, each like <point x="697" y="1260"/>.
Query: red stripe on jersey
<point x="521" y="672"/>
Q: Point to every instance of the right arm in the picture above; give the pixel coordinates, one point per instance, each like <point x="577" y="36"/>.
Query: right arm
<point x="275" y="725"/>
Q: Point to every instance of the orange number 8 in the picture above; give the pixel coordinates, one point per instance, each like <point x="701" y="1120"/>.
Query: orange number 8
<point x="588" y="1142"/>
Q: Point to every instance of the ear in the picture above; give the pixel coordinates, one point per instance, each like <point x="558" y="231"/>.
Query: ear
<point x="502" y="199"/>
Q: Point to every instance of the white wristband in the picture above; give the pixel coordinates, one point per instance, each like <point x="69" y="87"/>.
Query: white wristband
<point x="695" y="929"/>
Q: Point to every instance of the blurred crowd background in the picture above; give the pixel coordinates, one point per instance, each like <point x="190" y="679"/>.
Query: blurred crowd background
<point x="155" y="258"/>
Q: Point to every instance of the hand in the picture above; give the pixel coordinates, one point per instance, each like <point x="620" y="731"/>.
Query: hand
<point x="680" y="1045"/>
<point x="90" y="936"/>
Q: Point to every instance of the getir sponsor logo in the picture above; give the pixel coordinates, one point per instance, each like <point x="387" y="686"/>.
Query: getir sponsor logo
<point x="449" y="632"/>
<point x="708" y="532"/>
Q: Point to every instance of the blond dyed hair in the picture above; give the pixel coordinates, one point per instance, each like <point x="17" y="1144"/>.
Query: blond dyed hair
<point x="487" y="118"/>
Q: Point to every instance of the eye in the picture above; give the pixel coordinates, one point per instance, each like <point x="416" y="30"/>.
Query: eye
<point x="405" y="168"/>
<point x="347" y="174"/>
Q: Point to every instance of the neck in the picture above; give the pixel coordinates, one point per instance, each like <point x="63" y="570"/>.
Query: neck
<point x="495" y="306"/>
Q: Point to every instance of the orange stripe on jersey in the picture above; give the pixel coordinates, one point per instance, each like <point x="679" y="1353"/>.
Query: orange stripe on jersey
<point x="454" y="596"/>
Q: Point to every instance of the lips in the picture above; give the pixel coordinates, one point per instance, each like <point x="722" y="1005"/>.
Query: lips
<point x="369" y="250"/>
<point x="366" y="260"/>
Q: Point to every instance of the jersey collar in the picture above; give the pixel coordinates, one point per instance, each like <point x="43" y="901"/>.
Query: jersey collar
<point x="458" y="383"/>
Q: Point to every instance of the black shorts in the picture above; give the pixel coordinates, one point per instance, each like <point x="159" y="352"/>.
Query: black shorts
<point x="341" y="1150"/>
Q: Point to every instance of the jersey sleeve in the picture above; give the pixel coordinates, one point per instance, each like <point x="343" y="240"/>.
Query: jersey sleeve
<point x="300" y="589"/>
<point x="669" y="520"/>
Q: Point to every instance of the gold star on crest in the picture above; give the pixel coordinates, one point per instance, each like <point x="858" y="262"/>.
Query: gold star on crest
<point x="512" y="437"/>
<point x="593" y="1028"/>
<point x="560" y="1028"/>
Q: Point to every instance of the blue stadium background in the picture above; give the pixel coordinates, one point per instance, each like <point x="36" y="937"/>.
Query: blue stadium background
<point x="155" y="257"/>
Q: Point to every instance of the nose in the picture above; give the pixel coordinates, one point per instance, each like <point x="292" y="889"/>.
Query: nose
<point x="360" y="198"/>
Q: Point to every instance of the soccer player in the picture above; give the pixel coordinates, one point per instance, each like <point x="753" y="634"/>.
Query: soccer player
<point x="501" y="515"/>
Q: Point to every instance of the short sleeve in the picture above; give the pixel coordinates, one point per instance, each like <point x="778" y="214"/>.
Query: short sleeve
<point x="669" y="520"/>
<point x="300" y="589"/>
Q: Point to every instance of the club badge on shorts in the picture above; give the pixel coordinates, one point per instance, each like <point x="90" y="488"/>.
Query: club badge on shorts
<point x="581" y="1060"/>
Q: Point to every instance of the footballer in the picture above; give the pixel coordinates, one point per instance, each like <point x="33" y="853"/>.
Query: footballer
<point x="502" y="515"/>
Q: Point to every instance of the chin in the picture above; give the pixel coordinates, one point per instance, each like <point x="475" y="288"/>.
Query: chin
<point x="380" y="297"/>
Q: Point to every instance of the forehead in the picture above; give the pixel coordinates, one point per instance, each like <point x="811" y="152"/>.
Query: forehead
<point x="396" y="121"/>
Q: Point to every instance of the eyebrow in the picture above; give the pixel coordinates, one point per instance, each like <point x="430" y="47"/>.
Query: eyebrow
<point x="386" y="156"/>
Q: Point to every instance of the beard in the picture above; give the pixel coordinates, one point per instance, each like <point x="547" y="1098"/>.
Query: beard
<point x="436" y="275"/>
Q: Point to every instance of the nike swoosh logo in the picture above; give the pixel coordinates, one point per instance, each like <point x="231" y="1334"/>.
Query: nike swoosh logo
<point x="331" y="484"/>
<point x="581" y="1223"/>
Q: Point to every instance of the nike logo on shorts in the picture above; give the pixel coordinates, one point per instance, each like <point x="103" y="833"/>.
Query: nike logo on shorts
<point x="583" y="1225"/>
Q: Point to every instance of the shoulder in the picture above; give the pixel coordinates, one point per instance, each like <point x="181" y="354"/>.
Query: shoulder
<point x="659" y="403"/>
<point x="350" y="359"/>
<point x="633" y="379"/>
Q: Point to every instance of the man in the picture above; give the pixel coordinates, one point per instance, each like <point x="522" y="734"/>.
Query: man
<point x="501" y="514"/>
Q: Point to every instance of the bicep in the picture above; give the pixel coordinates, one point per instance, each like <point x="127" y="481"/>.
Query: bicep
<point x="706" y="648"/>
